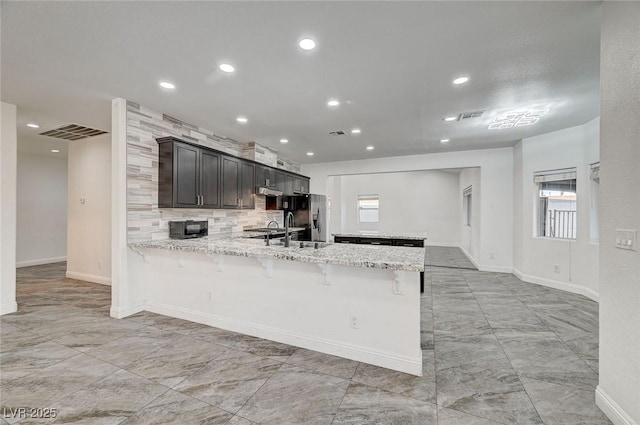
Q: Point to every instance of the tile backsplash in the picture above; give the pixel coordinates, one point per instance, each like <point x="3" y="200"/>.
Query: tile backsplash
<point x="148" y="222"/>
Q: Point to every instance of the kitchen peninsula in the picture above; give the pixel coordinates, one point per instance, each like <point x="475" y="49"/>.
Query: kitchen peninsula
<point x="355" y="301"/>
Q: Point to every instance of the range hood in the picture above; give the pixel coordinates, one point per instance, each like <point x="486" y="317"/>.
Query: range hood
<point x="268" y="192"/>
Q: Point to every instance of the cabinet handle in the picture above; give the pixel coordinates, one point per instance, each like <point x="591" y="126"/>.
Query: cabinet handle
<point x="375" y="243"/>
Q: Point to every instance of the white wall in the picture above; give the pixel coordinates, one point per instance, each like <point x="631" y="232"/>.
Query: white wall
<point x="496" y="192"/>
<point x="470" y="235"/>
<point x="536" y="257"/>
<point x="618" y="393"/>
<point x="89" y="223"/>
<point x="8" y="160"/>
<point x="417" y="201"/>
<point x="41" y="210"/>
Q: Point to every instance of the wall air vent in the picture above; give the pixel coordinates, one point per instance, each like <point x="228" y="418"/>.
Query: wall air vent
<point x="73" y="132"/>
<point x="337" y="133"/>
<point x="467" y="115"/>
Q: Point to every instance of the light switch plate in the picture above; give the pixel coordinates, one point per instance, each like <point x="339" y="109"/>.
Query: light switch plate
<point x="627" y="239"/>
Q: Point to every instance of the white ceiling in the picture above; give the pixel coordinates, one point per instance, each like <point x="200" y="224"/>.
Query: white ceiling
<point x="390" y="63"/>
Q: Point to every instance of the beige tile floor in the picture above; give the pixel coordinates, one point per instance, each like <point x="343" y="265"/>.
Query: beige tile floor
<point x="496" y="351"/>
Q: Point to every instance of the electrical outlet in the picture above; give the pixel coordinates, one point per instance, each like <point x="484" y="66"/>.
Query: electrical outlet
<point x="99" y="265"/>
<point x="210" y="295"/>
<point x="556" y="268"/>
<point x="353" y="321"/>
<point x="492" y="256"/>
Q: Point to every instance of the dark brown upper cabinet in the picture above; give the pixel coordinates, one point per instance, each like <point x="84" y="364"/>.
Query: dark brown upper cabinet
<point x="230" y="182"/>
<point x="265" y="176"/>
<point x="188" y="177"/>
<point x="247" y="185"/>
<point x="192" y="176"/>
<point x="305" y="184"/>
<point x="238" y="183"/>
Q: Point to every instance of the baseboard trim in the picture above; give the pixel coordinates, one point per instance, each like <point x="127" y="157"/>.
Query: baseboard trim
<point x="89" y="277"/>
<point x="496" y="269"/>
<point x="349" y="351"/>
<point x="8" y="308"/>
<point x="469" y="257"/>
<point x="556" y="284"/>
<point x="40" y="262"/>
<point x="611" y="409"/>
<point x="121" y="313"/>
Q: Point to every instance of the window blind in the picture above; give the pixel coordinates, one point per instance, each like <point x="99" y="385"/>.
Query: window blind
<point x="555" y="175"/>
<point x="467" y="191"/>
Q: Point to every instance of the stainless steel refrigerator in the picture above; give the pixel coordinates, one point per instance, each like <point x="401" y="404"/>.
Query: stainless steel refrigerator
<point x="310" y="212"/>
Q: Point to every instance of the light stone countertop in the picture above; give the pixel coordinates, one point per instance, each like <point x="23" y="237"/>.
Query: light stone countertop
<point x="395" y="235"/>
<point x="370" y="256"/>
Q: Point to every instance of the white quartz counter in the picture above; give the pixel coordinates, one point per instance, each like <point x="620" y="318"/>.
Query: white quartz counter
<point x="381" y="257"/>
<point x="395" y="235"/>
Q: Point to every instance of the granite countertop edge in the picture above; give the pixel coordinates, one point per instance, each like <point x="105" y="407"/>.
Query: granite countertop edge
<point x="390" y="258"/>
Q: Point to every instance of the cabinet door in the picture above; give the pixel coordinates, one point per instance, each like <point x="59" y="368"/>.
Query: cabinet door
<point x="280" y="181"/>
<point x="186" y="175"/>
<point x="210" y="179"/>
<point x="288" y="184"/>
<point x="297" y="184"/>
<point x="271" y="178"/>
<point x="346" y="239"/>
<point x="261" y="176"/>
<point x="230" y="182"/>
<point x="247" y="185"/>
<point x="305" y="185"/>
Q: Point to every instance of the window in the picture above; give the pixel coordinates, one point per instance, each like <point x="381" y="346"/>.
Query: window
<point x="557" y="204"/>
<point x="368" y="208"/>
<point x="595" y="196"/>
<point x="466" y="206"/>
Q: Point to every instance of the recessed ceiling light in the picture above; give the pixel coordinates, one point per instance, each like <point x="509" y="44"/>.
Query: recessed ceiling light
<point x="370" y="148"/>
<point x="333" y="103"/>
<point x="242" y="120"/>
<point x="284" y="141"/>
<point x="225" y="67"/>
<point x="460" y="80"/>
<point x="451" y="118"/>
<point x="444" y="140"/>
<point x="307" y="44"/>
<point x="167" y="85"/>
<point x="519" y="118"/>
<point x="33" y="125"/>
<point x="309" y="153"/>
<point x="356" y="131"/>
<point x="55" y="150"/>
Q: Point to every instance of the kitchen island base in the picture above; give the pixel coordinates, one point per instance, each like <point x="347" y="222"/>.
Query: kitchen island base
<point x="370" y="315"/>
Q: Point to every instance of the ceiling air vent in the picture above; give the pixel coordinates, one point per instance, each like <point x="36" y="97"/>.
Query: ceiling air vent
<point x="337" y="133"/>
<point x="467" y="115"/>
<point x="72" y="132"/>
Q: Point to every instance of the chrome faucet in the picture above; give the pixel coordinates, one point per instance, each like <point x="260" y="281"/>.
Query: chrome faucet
<point x="273" y="221"/>
<point x="287" y="238"/>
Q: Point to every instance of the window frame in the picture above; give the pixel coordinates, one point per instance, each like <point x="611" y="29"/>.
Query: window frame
<point x="360" y="208"/>
<point x="467" y="205"/>
<point x="568" y="219"/>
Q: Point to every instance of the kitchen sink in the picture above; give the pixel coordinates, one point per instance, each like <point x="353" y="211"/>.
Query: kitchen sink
<point x="267" y="229"/>
<point x="298" y="244"/>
